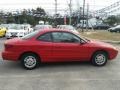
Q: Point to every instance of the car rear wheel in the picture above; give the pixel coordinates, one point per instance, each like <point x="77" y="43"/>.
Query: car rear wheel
<point x="99" y="58"/>
<point x="29" y="61"/>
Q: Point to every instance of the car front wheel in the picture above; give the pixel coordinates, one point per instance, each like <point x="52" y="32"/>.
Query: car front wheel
<point x="99" y="58"/>
<point x="29" y="61"/>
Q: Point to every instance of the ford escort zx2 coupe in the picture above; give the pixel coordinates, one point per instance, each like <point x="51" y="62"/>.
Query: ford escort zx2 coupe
<point x="53" y="45"/>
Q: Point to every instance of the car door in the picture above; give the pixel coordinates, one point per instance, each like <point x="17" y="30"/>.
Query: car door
<point x="67" y="47"/>
<point x="44" y="47"/>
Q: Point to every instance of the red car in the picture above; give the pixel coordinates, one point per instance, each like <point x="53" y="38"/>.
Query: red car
<point x="56" y="46"/>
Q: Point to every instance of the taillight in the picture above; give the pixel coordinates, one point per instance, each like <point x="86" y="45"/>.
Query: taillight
<point x="7" y="46"/>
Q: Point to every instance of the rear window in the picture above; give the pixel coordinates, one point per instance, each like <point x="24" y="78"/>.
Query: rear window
<point x="30" y="35"/>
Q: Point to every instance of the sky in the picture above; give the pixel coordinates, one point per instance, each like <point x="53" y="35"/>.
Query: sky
<point x="49" y="5"/>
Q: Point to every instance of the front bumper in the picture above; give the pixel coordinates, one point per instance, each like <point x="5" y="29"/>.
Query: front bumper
<point x="113" y="54"/>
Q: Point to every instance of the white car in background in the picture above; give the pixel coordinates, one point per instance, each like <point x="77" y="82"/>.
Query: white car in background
<point x="28" y="27"/>
<point x="41" y="27"/>
<point x="114" y="29"/>
<point x="68" y="27"/>
<point x="18" y="31"/>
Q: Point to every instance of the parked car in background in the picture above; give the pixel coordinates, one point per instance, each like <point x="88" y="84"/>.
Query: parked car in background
<point x="41" y="27"/>
<point x="6" y="25"/>
<point x="114" y="29"/>
<point x="101" y="27"/>
<point x="17" y="30"/>
<point x="54" y="45"/>
<point x="3" y="31"/>
<point x="27" y="27"/>
<point x="68" y="27"/>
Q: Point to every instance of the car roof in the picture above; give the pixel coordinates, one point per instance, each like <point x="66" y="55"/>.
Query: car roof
<point x="43" y="31"/>
<point x="55" y="30"/>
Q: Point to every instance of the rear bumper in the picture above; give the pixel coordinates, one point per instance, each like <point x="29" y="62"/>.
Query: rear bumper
<point x="11" y="56"/>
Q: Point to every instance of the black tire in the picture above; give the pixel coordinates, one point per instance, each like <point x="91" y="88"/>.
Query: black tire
<point x="30" y="61"/>
<point x="100" y="58"/>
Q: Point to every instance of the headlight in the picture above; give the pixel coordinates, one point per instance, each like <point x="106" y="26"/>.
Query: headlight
<point x="115" y="48"/>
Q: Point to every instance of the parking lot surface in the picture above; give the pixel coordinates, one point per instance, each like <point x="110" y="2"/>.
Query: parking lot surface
<point x="63" y="76"/>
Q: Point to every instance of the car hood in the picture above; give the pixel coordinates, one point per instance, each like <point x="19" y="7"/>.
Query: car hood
<point x="95" y="43"/>
<point x="13" y="30"/>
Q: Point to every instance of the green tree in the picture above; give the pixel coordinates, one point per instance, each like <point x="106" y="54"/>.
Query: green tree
<point x="111" y="20"/>
<point x="10" y="18"/>
<point x="1" y="17"/>
<point x="30" y="16"/>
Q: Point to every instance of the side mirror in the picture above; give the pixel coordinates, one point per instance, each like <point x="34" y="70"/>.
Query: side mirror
<point x="82" y="42"/>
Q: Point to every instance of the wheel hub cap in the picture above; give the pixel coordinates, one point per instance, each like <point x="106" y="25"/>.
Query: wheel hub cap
<point x="100" y="59"/>
<point x="30" y="61"/>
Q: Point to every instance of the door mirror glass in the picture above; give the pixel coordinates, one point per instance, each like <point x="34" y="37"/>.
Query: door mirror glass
<point x="82" y="41"/>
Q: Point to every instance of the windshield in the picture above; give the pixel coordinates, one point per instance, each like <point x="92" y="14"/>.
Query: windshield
<point x="38" y="27"/>
<point x="41" y="27"/>
<point x="70" y="27"/>
<point x="66" y="27"/>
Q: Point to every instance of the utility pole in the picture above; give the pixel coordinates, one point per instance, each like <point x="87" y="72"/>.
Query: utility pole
<point x="78" y="8"/>
<point x="55" y="7"/>
<point x="55" y="12"/>
<point x="83" y="15"/>
<point x="80" y="12"/>
<point x="79" y="15"/>
<point x="65" y="18"/>
<point x="70" y="7"/>
<point x="87" y="15"/>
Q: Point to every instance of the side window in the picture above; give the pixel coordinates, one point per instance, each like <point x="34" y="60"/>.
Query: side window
<point x="65" y="37"/>
<point x="45" y="37"/>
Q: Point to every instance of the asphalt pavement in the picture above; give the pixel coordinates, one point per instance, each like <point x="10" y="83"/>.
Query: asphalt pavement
<point x="63" y="76"/>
